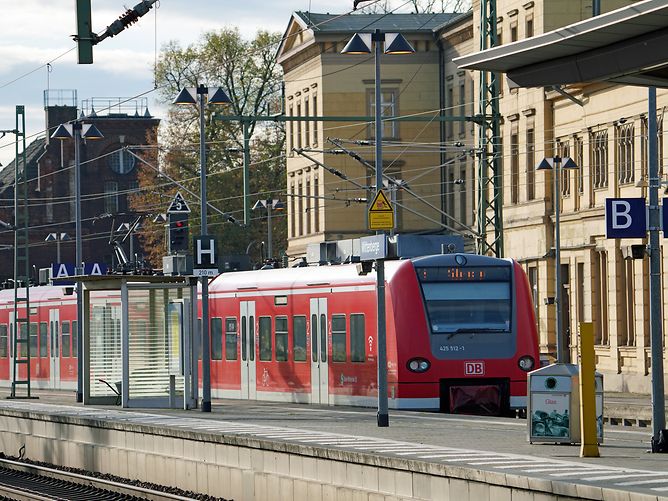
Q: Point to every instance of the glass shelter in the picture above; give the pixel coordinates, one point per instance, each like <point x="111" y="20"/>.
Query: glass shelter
<point x="138" y="341"/>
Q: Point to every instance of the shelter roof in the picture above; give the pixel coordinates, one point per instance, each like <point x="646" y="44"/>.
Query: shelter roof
<point x="626" y="45"/>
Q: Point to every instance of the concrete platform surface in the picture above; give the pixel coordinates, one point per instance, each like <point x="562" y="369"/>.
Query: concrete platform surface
<point x="481" y="445"/>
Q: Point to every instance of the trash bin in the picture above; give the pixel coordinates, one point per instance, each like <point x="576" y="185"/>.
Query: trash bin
<point x="553" y="404"/>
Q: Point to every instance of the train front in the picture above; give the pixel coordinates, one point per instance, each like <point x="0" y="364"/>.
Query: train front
<point x="466" y="334"/>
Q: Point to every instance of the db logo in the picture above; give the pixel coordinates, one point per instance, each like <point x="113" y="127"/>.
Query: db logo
<point x="474" y="368"/>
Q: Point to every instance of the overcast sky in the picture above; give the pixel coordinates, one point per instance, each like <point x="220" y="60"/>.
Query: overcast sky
<point x="35" y="32"/>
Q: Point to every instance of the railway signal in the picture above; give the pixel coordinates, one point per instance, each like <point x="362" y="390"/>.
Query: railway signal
<point x="178" y="231"/>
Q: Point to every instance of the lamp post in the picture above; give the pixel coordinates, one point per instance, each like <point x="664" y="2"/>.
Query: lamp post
<point x="557" y="164"/>
<point x="57" y="237"/>
<point x="270" y="205"/>
<point x="77" y="130"/>
<point x="200" y="96"/>
<point x="360" y="43"/>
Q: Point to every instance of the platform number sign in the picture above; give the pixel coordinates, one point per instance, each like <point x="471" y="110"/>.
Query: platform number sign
<point x="206" y="256"/>
<point x="625" y="218"/>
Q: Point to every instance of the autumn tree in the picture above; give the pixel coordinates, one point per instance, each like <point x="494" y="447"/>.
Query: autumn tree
<point x="247" y="71"/>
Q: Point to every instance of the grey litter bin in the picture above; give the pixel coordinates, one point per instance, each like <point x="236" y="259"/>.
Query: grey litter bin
<point x="553" y="404"/>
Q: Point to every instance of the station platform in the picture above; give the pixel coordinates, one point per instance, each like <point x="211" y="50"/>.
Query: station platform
<point x="248" y="450"/>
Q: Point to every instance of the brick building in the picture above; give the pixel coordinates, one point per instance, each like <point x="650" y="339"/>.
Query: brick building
<point x="108" y="176"/>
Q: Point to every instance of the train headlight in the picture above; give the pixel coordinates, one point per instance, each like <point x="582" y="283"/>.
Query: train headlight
<point x="526" y="363"/>
<point x="418" y="365"/>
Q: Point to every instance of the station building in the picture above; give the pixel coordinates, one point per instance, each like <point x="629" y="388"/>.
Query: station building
<point x="604" y="130"/>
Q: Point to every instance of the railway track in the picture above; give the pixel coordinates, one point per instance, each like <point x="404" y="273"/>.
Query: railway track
<point x="22" y="481"/>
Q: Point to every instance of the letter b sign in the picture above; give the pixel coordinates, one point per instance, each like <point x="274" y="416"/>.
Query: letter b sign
<point x="625" y="218"/>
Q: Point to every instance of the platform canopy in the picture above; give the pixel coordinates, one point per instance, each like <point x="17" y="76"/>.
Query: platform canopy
<point x="626" y="46"/>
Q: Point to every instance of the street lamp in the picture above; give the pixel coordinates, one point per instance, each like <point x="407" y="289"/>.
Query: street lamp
<point x="395" y="43"/>
<point x="557" y="164"/>
<point x="269" y="204"/>
<point x="77" y="130"/>
<point x="57" y="237"/>
<point x="200" y="96"/>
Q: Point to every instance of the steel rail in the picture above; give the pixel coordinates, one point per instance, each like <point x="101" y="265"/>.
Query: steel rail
<point x="36" y="483"/>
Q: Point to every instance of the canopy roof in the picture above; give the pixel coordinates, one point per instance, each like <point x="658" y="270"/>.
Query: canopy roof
<point x="626" y="46"/>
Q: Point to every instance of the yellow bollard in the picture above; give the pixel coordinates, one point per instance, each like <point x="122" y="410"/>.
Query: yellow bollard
<point x="589" y="440"/>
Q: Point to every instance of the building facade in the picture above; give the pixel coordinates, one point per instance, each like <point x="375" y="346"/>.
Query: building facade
<point x="606" y="136"/>
<point x="108" y="177"/>
<point x="328" y="190"/>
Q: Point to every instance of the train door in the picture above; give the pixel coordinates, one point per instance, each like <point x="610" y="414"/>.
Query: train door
<point x="12" y="326"/>
<point x="248" y="376"/>
<point x="54" y="351"/>
<point x="319" y="367"/>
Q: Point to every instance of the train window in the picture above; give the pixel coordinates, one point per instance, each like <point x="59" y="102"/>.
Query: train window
<point x="314" y="338"/>
<point x="323" y="338"/>
<point x="468" y="307"/>
<point x="251" y="336"/>
<point x="230" y="338"/>
<point x="244" y="344"/>
<point x="357" y="338"/>
<point x="198" y="339"/>
<point x="338" y="338"/>
<point x="75" y="338"/>
<point x="11" y="340"/>
<point x="216" y="339"/>
<point x="3" y="341"/>
<point x="65" y="343"/>
<point x="43" y="336"/>
<point x="265" y="339"/>
<point x="281" y="324"/>
<point x="299" y="338"/>
<point x="33" y="338"/>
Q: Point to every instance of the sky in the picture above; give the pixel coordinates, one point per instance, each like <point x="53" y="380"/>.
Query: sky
<point x="36" y="32"/>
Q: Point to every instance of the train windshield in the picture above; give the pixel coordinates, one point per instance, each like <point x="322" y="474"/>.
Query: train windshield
<point x="464" y="301"/>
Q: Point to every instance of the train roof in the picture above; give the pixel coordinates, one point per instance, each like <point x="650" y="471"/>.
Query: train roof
<point x="37" y="293"/>
<point x="280" y="278"/>
<point x="339" y="275"/>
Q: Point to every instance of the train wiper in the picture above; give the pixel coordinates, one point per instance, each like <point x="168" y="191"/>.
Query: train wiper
<point x="477" y="329"/>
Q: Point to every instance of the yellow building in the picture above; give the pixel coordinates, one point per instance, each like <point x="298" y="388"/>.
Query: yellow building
<point x="322" y="82"/>
<point x="606" y="136"/>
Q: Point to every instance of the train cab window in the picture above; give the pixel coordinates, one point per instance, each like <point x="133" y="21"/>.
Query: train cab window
<point x="338" y="338"/>
<point x="281" y="325"/>
<point x="216" y="339"/>
<point x="75" y="338"/>
<point x="65" y="342"/>
<point x="467" y="300"/>
<point x="33" y="338"/>
<point x="230" y="338"/>
<point x="357" y="338"/>
<point x="265" y="339"/>
<point x="43" y="336"/>
<point x="3" y="341"/>
<point x="299" y="338"/>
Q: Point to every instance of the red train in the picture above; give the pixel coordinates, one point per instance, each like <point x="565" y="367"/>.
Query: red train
<point x="461" y="335"/>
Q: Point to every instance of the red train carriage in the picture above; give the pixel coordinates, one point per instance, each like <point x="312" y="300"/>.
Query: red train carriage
<point x="53" y="342"/>
<point x="461" y="335"/>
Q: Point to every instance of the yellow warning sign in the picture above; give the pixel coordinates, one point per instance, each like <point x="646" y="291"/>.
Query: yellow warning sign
<point x="381" y="203"/>
<point x="381" y="213"/>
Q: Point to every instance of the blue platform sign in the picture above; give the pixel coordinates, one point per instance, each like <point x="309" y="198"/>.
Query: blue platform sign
<point x="62" y="271"/>
<point x="625" y="218"/>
